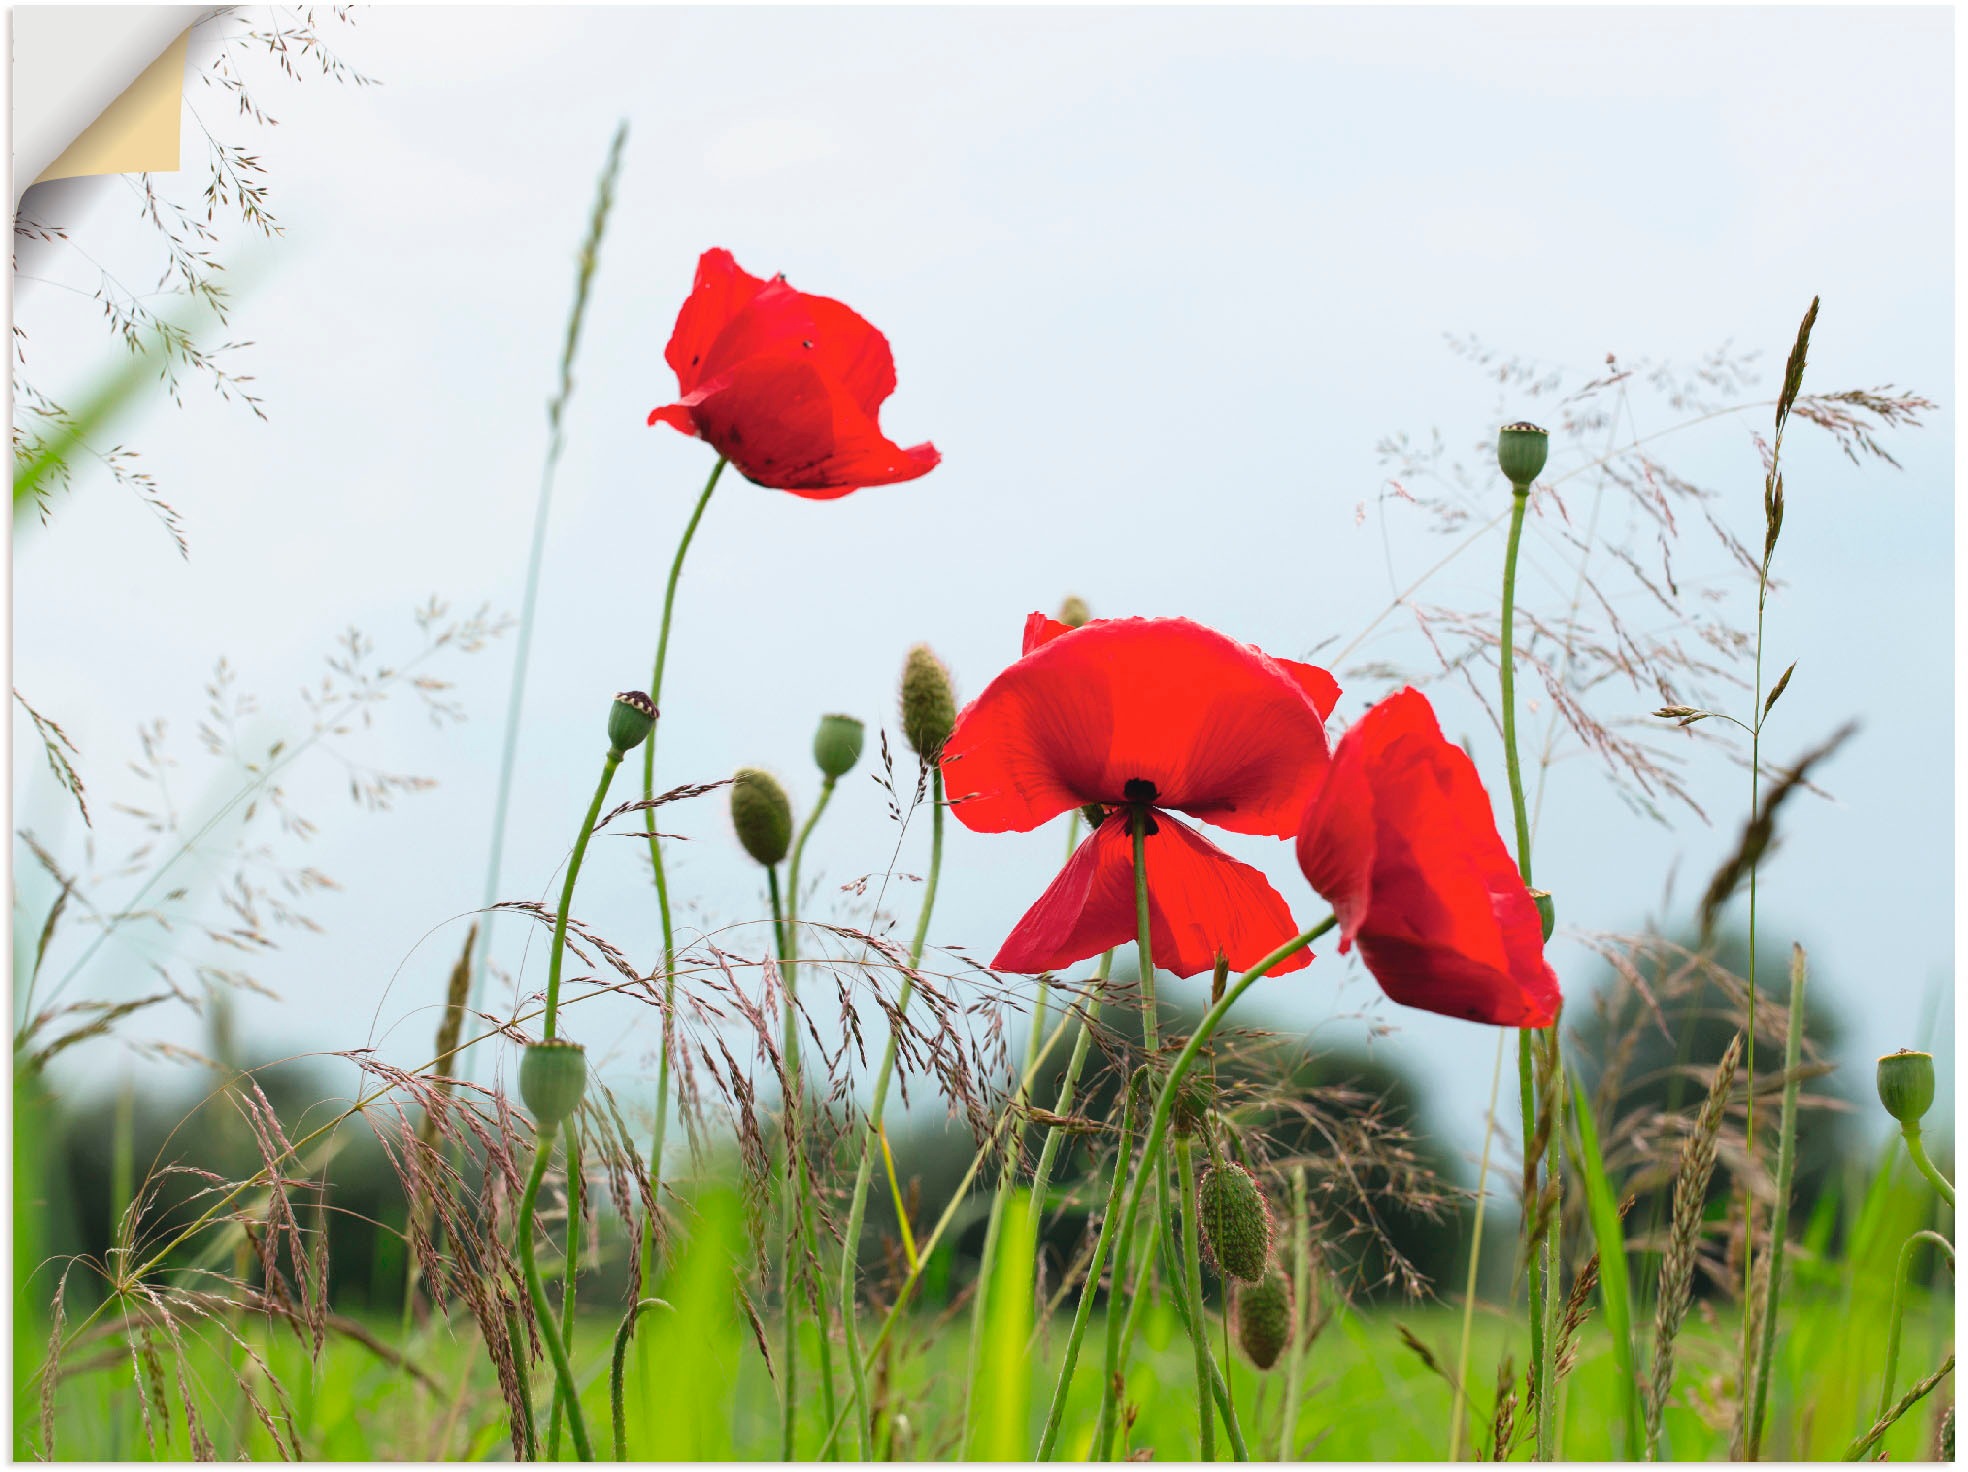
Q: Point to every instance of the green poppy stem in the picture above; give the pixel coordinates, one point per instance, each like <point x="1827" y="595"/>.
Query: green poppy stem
<point x="577" y="1423"/>
<point x="1544" y="1263"/>
<point x="608" y="766"/>
<point x="571" y="1147"/>
<point x="1895" y="1324"/>
<point x="662" y="886"/>
<point x="1151" y="1160"/>
<point x="1918" y="1151"/>
<point x="850" y="1249"/>
<point x="623" y="1332"/>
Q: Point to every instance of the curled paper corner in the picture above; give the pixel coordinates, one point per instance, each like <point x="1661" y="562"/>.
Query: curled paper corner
<point x="97" y="90"/>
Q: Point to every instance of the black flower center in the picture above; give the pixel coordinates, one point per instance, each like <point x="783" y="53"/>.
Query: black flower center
<point x="1138" y="789"/>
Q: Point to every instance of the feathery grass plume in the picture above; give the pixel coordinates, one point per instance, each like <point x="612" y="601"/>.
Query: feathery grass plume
<point x="1264" y="1314"/>
<point x="929" y="702"/>
<point x="1759" y="834"/>
<point x="1678" y="1265"/>
<point x="1578" y="1307"/>
<point x="1503" y="1420"/>
<point x="1235" y="1221"/>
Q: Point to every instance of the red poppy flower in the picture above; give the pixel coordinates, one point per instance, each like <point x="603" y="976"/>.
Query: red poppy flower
<point x="1402" y="841"/>
<point x="785" y="385"/>
<point x="1161" y="714"/>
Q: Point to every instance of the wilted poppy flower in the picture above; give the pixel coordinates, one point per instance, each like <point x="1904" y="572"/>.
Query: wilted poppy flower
<point x="1402" y="841"/>
<point x="786" y="386"/>
<point x="1160" y="714"/>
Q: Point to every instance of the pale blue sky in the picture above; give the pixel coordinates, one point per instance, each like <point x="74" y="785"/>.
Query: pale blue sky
<point x="1157" y="282"/>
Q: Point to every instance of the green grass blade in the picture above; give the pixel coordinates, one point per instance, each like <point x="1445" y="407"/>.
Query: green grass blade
<point x="1002" y="1388"/>
<point x="1615" y="1291"/>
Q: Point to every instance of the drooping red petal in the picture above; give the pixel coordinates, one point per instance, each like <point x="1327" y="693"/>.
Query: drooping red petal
<point x="1201" y="903"/>
<point x="786" y="424"/>
<point x="1402" y="841"/>
<point x="722" y="289"/>
<point x="1221" y="730"/>
<point x="1319" y="685"/>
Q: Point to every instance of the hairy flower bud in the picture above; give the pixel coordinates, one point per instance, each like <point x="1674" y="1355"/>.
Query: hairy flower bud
<point x="1093" y="814"/>
<point x="1906" y="1084"/>
<point x="1264" y="1317"/>
<point x="553" y="1076"/>
<point x="929" y="705"/>
<point x="762" y="815"/>
<point x="1074" y="613"/>
<point x="837" y="745"/>
<point x="1192" y="1105"/>
<point x="1235" y="1220"/>
<point x="1521" y="448"/>
<point x="630" y="720"/>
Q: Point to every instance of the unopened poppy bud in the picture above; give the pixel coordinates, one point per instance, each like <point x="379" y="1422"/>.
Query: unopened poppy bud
<point x="1547" y="912"/>
<point x="630" y="720"/>
<point x="1074" y="613"/>
<point x="1235" y="1220"/>
<point x="553" y="1076"/>
<point x="762" y="815"/>
<point x="1521" y="448"/>
<point x="1094" y="814"/>
<point x="929" y="705"/>
<point x="837" y="745"/>
<point x="1264" y="1317"/>
<point x="1906" y="1085"/>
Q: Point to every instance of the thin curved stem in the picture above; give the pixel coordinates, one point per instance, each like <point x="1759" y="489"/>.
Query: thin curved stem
<point x="623" y="1333"/>
<point x="662" y="887"/>
<point x="577" y="1423"/>
<point x="608" y="766"/>
<point x="1911" y="1134"/>
<point x="1192" y="1287"/>
<point x="857" y="1209"/>
<point x="790" y="946"/>
<point x="1151" y="1150"/>
<point x="1896" y="1322"/>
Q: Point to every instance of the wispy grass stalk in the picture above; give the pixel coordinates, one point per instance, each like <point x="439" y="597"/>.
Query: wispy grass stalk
<point x="556" y="418"/>
<point x="1859" y="1448"/>
<point x="857" y="1207"/>
<point x="1780" y="1209"/>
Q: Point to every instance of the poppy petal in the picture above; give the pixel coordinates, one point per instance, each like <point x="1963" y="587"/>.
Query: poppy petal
<point x="1201" y="903"/>
<point x="1220" y="730"/>
<point x="1402" y="841"/>
<point x="1319" y="685"/>
<point x="722" y="289"/>
<point x="787" y="425"/>
<point x="1042" y="630"/>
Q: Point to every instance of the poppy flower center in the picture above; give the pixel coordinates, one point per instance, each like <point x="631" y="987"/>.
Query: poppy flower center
<point x="1138" y="789"/>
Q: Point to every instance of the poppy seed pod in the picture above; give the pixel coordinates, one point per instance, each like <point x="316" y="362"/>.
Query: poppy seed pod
<point x="929" y="705"/>
<point x="837" y="745"/>
<point x="553" y="1076"/>
<point x="1264" y="1317"/>
<point x="1906" y="1085"/>
<point x="1074" y="613"/>
<point x="762" y="815"/>
<point x="630" y="720"/>
<point x="1521" y="448"/>
<point x="1236" y="1222"/>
